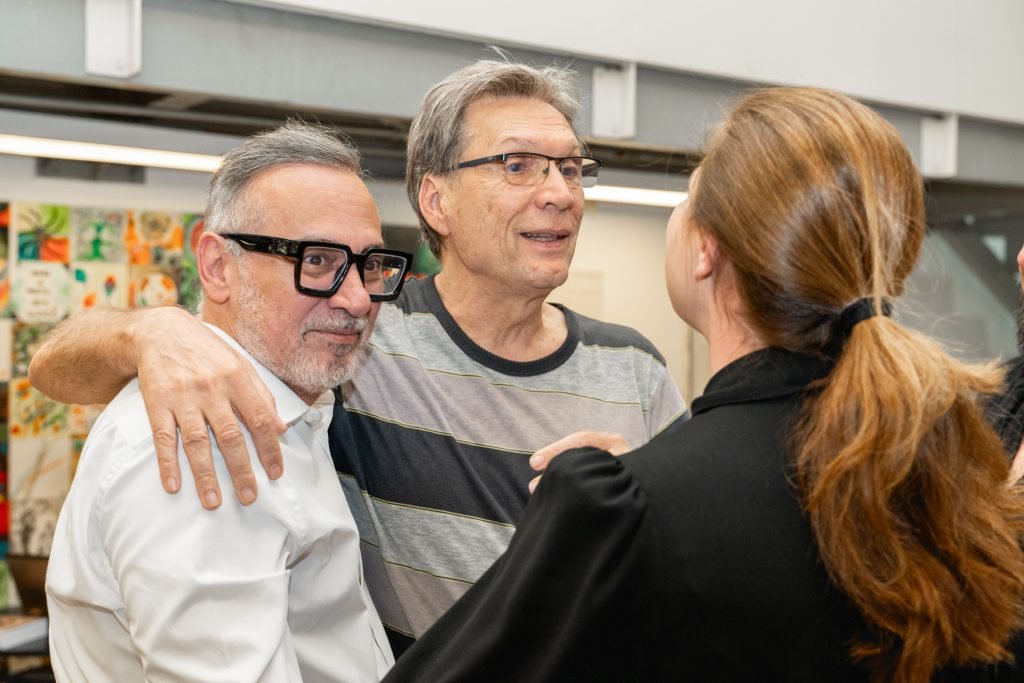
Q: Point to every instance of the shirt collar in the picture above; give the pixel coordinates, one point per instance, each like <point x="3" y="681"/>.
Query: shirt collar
<point x="290" y="405"/>
<point x="764" y="374"/>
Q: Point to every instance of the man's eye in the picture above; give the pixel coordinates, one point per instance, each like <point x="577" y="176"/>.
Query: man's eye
<point x="571" y="168"/>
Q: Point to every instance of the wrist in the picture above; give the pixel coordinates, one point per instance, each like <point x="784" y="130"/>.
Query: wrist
<point x="144" y="330"/>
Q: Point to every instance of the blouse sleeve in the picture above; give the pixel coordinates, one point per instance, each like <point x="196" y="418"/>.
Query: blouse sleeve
<point x="565" y="600"/>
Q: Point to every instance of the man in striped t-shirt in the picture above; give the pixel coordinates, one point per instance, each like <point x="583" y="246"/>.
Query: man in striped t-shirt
<point x="466" y="374"/>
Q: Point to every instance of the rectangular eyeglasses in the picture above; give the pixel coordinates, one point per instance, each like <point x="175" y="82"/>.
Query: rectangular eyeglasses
<point x="530" y="168"/>
<point x="320" y="267"/>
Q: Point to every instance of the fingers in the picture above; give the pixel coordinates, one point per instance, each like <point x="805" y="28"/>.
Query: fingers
<point x="613" y="443"/>
<point x="196" y="385"/>
<point x="231" y="441"/>
<point x="258" y="411"/>
<point x="165" y="438"/>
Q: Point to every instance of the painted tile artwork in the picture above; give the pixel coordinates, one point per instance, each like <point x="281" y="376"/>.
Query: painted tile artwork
<point x="39" y="292"/>
<point x="32" y="414"/>
<point x="56" y="260"/>
<point x="26" y="340"/>
<point x="5" y="282"/>
<point x="190" y="286"/>
<point x="152" y="286"/>
<point x="39" y="474"/>
<point x="98" y="284"/>
<point x="98" y="235"/>
<point x="154" y="238"/>
<point x="42" y="232"/>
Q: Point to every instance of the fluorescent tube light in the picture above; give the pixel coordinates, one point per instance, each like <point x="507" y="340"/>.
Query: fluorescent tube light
<point x="207" y="163"/>
<point x="633" y="195"/>
<point x="88" y="151"/>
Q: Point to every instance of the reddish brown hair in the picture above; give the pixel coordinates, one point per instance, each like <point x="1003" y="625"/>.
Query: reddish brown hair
<point x="816" y="203"/>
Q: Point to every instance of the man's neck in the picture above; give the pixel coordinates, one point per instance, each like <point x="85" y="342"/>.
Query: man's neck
<point x="512" y="325"/>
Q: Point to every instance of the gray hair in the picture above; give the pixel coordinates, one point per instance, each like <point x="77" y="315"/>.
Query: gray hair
<point x="296" y="142"/>
<point x="436" y="137"/>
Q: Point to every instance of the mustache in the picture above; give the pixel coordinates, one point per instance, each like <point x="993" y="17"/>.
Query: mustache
<point x="340" y="322"/>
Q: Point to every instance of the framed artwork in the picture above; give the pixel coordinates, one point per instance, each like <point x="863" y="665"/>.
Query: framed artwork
<point x="39" y="473"/>
<point x="5" y="281"/>
<point x="190" y="287"/>
<point x="98" y="284"/>
<point x="39" y="293"/>
<point x="33" y="414"/>
<point x="26" y="339"/>
<point x="55" y="260"/>
<point x="98" y="235"/>
<point x="154" y="238"/>
<point x="152" y="286"/>
<point x="42" y="232"/>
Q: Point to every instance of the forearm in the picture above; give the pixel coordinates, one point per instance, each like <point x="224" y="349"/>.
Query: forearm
<point x="89" y="357"/>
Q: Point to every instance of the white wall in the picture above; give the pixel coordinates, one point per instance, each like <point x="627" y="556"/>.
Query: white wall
<point x="961" y="56"/>
<point x="621" y="250"/>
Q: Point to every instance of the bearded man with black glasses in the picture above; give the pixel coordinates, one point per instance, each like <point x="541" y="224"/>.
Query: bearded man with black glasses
<point x="145" y="586"/>
<point x="468" y="372"/>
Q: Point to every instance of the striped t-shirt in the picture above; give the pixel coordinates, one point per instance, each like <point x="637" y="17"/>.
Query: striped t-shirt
<point x="433" y="436"/>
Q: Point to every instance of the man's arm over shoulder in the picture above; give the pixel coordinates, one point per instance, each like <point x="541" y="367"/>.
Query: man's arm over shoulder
<point x="192" y="381"/>
<point x="87" y="358"/>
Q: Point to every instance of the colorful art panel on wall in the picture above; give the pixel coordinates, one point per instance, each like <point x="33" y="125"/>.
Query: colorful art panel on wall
<point x="32" y="413"/>
<point x="27" y="339"/>
<point x="40" y="292"/>
<point x="39" y="472"/>
<point x="5" y="281"/>
<point x="98" y="235"/>
<point x="55" y="259"/>
<point x="190" y="286"/>
<point x="42" y="231"/>
<point x="99" y="284"/>
<point x="154" y="238"/>
<point x="152" y="286"/>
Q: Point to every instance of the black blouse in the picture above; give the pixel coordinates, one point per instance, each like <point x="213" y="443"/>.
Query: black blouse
<point x="688" y="559"/>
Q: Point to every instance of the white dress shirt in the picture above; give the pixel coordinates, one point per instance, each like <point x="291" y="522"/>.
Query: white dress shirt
<point x="143" y="585"/>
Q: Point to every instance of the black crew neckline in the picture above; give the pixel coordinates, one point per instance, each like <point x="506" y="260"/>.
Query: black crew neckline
<point x="493" y="361"/>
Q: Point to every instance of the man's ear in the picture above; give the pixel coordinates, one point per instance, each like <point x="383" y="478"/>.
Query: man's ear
<point x="432" y="203"/>
<point x="708" y="255"/>
<point x="216" y="267"/>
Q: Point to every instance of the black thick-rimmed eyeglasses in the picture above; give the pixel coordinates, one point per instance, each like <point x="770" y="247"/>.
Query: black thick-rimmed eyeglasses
<point x="530" y="168"/>
<point x="320" y="267"/>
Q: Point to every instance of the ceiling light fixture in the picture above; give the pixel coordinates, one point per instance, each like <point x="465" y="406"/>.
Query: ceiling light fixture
<point x="20" y="145"/>
<point x="207" y="163"/>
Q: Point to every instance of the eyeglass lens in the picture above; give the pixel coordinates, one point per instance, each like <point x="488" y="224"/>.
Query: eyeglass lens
<point x="530" y="169"/>
<point x="322" y="266"/>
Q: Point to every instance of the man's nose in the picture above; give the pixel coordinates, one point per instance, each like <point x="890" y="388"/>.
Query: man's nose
<point x="555" y="189"/>
<point x="352" y="295"/>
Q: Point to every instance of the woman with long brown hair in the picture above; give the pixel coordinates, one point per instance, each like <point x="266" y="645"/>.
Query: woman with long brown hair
<point x="837" y="508"/>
